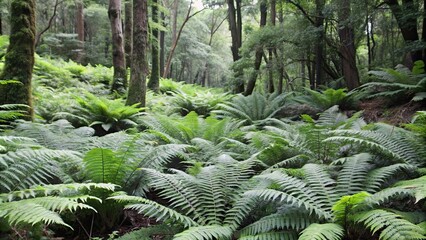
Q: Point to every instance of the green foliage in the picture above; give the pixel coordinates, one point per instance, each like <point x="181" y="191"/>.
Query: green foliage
<point x="104" y="115"/>
<point x="10" y="112"/>
<point x="418" y="124"/>
<point x="254" y="108"/>
<point x="397" y="84"/>
<point x="325" y="99"/>
<point x="325" y="231"/>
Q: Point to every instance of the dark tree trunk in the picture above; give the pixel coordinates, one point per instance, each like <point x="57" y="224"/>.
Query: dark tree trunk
<point x="259" y="52"/>
<point x="19" y="60"/>
<point x="319" y="45"/>
<point x="407" y="23"/>
<point x="1" y="24"/>
<point x="80" y="29"/>
<point x="271" y="87"/>
<point x="137" y="86"/>
<point x="119" y="82"/>
<point x="235" y="26"/>
<point x="162" y="45"/>
<point x="347" y="45"/>
<point x="154" y="81"/>
<point x="128" y="31"/>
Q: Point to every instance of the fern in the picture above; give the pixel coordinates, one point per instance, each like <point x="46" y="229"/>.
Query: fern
<point x="326" y="231"/>
<point x="210" y="232"/>
<point x="390" y="225"/>
<point x="351" y="178"/>
<point x="272" y="236"/>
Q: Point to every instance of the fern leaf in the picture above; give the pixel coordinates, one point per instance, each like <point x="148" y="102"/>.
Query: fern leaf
<point x="390" y="225"/>
<point x="326" y="231"/>
<point x="211" y="232"/>
<point x="352" y="177"/>
<point x="272" y="236"/>
<point x="154" y="210"/>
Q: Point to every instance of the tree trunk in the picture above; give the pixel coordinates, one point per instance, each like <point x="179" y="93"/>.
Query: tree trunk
<point x="128" y="32"/>
<point x="119" y="81"/>
<point x="162" y="44"/>
<point x="235" y="26"/>
<point x="259" y="52"/>
<point x="137" y="86"/>
<point x="407" y="23"/>
<point x="19" y="60"/>
<point x="347" y="45"/>
<point x="271" y="87"/>
<point x="319" y="45"/>
<point x="154" y="81"/>
<point x="80" y="30"/>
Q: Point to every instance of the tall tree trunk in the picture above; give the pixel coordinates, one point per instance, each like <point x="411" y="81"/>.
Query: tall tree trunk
<point x="154" y="81"/>
<point x="119" y="82"/>
<point x="235" y="26"/>
<point x="137" y="86"/>
<point x="407" y="23"/>
<point x="1" y="23"/>
<point x="80" y="29"/>
<point x="162" y="44"/>
<point x="128" y="31"/>
<point x="347" y="45"/>
<point x="259" y="52"/>
<point x="271" y="87"/>
<point x="319" y="45"/>
<point x="19" y="60"/>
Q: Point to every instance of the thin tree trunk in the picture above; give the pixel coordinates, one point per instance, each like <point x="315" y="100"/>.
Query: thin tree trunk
<point x="162" y="44"/>
<point x="319" y="46"/>
<point x="80" y="29"/>
<point x="259" y="52"/>
<point x="119" y="81"/>
<point x="347" y="46"/>
<point x="154" y="81"/>
<point x="235" y="26"/>
<point x="271" y="86"/>
<point x="175" y="42"/>
<point x="128" y="32"/>
<point x="49" y="24"/>
<point x="19" y="60"/>
<point x="137" y="86"/>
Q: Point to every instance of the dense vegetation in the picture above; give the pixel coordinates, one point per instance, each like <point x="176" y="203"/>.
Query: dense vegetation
<point x="278" y="149"/>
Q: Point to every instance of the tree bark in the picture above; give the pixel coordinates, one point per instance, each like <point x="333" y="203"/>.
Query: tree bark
<point x="259" y="52"/>
<point x="128" y="32"/>
<point x="154" y="81"/>
<point x="137" y="86"/>
<point x="162" y="44"/>
<point x="407" y="23"/>
<point x="19" y="60"/>
<point x="347" y="45"/>
<point x="319" y="45"/>
<point x="235" y="26"/>
<point x="119" y="81"/>
<point x="80" y="29"/>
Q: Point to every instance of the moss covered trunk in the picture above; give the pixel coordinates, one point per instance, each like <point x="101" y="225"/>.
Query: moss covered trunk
<point x="139" y="69"/>
<point x="19" y="59"/>
<point x="119" y="82"/>
<point x="154" y="81"/>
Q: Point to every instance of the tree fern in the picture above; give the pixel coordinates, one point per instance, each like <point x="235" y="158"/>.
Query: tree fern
<point x="287" y="235"/>
<point x="351" y="178"/>
<point x="210" y="232"/>
<point x="325" y="231"/>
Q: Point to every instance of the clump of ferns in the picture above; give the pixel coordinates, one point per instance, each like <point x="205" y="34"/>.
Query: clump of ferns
<point x="327" y="207"/>
<point x="208" y="204"/>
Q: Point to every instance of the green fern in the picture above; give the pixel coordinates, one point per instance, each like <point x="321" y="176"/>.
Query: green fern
<point x="390" y="225"/>
<point x="325" y="231"/>
<point x="210" y="232"/>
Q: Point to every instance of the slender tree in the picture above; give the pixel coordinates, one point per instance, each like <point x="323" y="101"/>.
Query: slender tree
<point x="119" y="82"/>
<point x="347" y="45"/>
<point x="235" y="26"/>
<point x="137" y="86"/>
<point x="19" y="60"/>
<point x="79" y="25"/>
<point x="128" y="31"/>
<point x="154" y="81"/>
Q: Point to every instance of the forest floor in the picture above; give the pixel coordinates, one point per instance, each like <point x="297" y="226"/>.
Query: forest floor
<point x="377" y="110"/>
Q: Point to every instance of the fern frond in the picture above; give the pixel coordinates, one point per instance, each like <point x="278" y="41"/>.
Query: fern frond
<point x="390" y="225"/>
<point x="210" y="232"/>
<point x="418" y="185"/>
<point x="321" y="184"/>
<point x="272" y="236"/>
<point x="326" y="231"/>
<point x="296" y="220"/>
<point x="352" y="177"/>
<point x="153" y="210"/>
<point x="378" y="177"/>
<point x="293" y="191"/>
